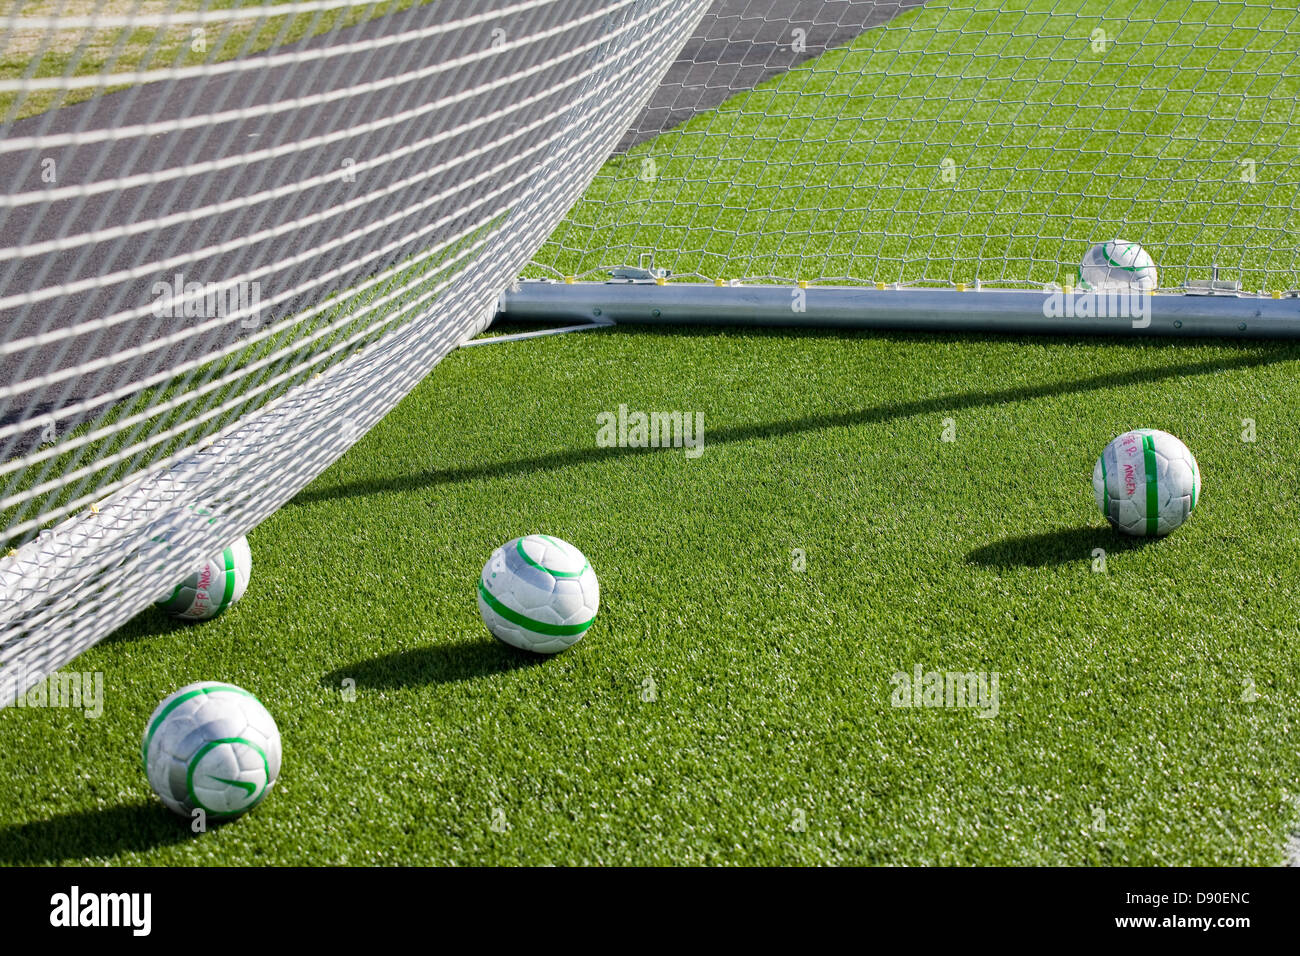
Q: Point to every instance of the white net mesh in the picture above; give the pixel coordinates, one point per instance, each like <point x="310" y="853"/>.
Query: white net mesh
<point x="960" y="141"/>
<point x="234" y="238"/>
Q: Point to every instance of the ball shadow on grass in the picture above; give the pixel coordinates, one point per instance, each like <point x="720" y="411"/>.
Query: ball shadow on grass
<point x="433" y="664"/>
<point x="1053" y="548"/>
<point x="71" y="837"/>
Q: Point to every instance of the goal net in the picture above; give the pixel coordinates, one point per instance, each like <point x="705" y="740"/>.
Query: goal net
<point x="235" y="235"/>
<point x="959" y="142"/>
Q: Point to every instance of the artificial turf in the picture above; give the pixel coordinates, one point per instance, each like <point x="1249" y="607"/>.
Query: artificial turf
<point x="726" y="707"/>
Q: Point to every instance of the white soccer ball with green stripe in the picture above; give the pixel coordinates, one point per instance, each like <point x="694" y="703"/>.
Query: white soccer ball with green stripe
<point x="211" y="747"/>
<point x="213" y="587"/>
<point x="1146" y="482"/>
<point x="1117" y="266"/>
<point x="538" y="593"/>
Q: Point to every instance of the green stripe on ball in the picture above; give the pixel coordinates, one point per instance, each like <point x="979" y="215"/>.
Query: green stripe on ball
<point x="1153" y="497"/>
<point x="538" y="627"/>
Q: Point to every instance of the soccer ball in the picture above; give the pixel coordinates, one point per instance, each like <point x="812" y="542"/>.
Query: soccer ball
<point x="1146" y="482"/>
<point x="211" y="747"/>
<point x="1117" y="266"/>
<point x="538" y="593"/>
<point x="218" y="583"/>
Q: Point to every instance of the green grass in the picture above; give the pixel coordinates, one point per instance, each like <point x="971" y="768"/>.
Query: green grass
<point x="1120" y="691"/>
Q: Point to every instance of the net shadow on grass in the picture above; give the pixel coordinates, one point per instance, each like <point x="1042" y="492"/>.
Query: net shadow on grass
<point x="942" y="404"/>
<point x="102" y="832"/>
<point x="1051" y="548"/>
<point x="150" y="623"/>
<point x="433" y="664"/>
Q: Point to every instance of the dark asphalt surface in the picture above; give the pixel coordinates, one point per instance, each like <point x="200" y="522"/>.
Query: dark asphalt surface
<point x="739" y="43"/>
